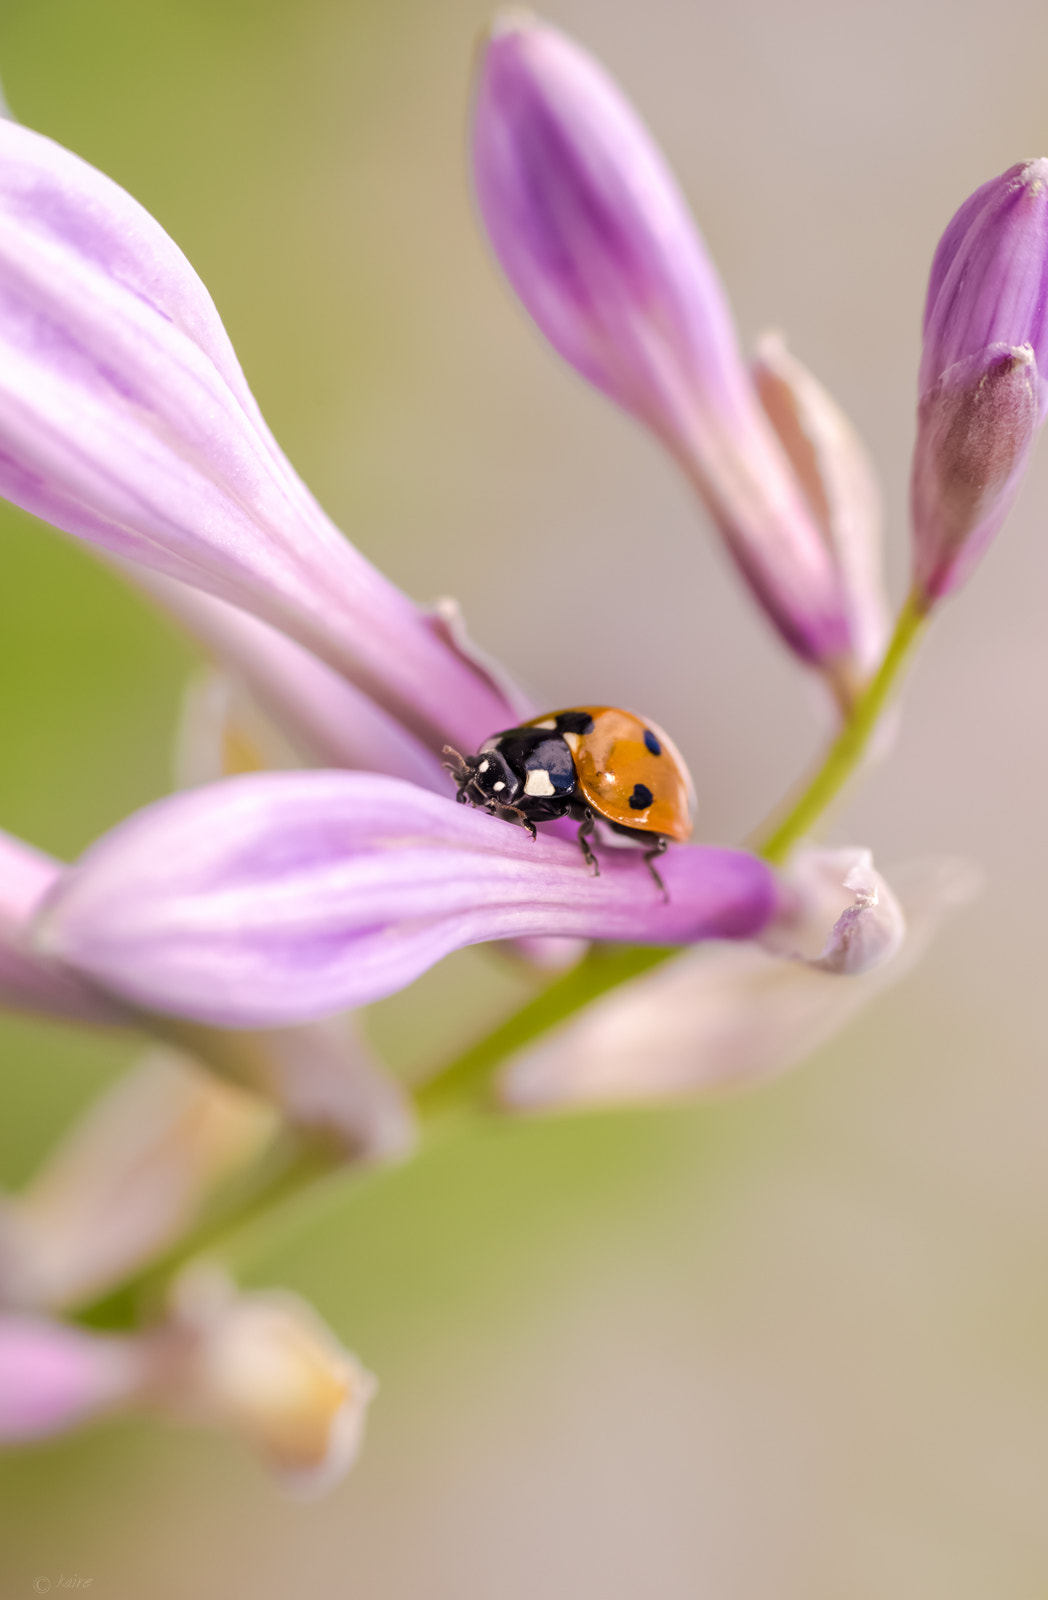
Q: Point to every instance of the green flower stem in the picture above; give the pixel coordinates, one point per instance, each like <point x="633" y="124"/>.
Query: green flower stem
<point x="851" y="743"/>
<point x="466" y="1081"/>
<point x="291" y="1167"/>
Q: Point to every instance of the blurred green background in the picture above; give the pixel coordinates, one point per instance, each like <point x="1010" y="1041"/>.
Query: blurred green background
<point x="791" y="1344"/>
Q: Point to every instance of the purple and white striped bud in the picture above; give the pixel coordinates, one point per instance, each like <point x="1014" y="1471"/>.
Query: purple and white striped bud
<point x="982" y="388"/>
<point x="593" y="233"/>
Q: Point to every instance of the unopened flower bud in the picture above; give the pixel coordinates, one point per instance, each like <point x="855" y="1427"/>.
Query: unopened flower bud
<point x="266" y="1367"/>
<point x="982" y="386"/>
<point x="592" y="231"/>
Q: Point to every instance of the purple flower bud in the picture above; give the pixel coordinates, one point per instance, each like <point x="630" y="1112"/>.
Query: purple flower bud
<point x="982" y="388"/>
<point x="596" y="239"/>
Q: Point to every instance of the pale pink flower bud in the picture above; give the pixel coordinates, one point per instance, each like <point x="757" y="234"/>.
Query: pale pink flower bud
<point x="267" y="1368"/>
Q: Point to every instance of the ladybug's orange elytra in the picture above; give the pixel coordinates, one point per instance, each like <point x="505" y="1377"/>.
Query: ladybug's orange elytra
<point x="599" y="764"/>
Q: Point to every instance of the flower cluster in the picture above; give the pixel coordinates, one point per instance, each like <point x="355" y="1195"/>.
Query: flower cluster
<point x="315" y="860"/>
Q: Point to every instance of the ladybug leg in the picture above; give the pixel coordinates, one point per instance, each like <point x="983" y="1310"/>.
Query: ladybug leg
<point x="649" y="861"/>
<point x="515" y="814"/>
<point x="585" y="835"/>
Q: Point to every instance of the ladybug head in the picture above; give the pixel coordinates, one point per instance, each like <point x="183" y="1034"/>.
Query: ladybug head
<point x="483" y="780"/>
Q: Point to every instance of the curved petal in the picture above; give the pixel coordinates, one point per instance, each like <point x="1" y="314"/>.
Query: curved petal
<point x="125" y="419"/>
<point x="839" y="916"/>
<point x="280" y="897"/>
<point x="834" y="469"/>
<point x="326" y="720"/>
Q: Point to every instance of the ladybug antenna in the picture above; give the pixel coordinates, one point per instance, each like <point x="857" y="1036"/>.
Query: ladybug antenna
<point x="459" y="767"/>
<point x="463" y="769"/>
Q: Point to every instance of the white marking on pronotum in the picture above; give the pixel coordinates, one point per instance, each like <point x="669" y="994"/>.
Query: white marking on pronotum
<point x="497" y="786"/>
<point x="547" y="722"/>
<point x="538" y="783"/>
<point x="484" y="765"/>
<point x="572" y="741"/>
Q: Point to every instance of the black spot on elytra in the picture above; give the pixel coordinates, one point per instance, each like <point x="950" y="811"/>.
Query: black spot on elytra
<point x="575" y="722"/>
<point x="652" y="743"/>
<point x="641" y="798"/>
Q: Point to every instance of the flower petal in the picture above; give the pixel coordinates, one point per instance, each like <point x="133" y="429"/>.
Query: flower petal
<point x="593" y="233"/>
<point x="725" y="1017"/>
<point x="323" y="1076"/>
<point x="325" y="719"/>
<point x="840" y="915"/>
<point x="53" y="1377"/>
<point x="280" y="897"/>
<point x="834" y="470"/>
<point x="266" y="1367"/>
<point x="28" y="981"/>
<point x="975" y="430"/>
<point x="989" y="277"/>
<point x="125" y="419"/>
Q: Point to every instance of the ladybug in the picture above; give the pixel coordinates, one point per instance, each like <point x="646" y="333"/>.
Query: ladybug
<point x="597" y="764"/>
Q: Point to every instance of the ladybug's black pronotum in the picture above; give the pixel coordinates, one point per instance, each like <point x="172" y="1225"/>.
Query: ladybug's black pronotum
<point x="595" y="763"/>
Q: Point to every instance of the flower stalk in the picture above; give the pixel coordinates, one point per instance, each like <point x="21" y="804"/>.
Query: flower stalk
<point x="850" y="745"/>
